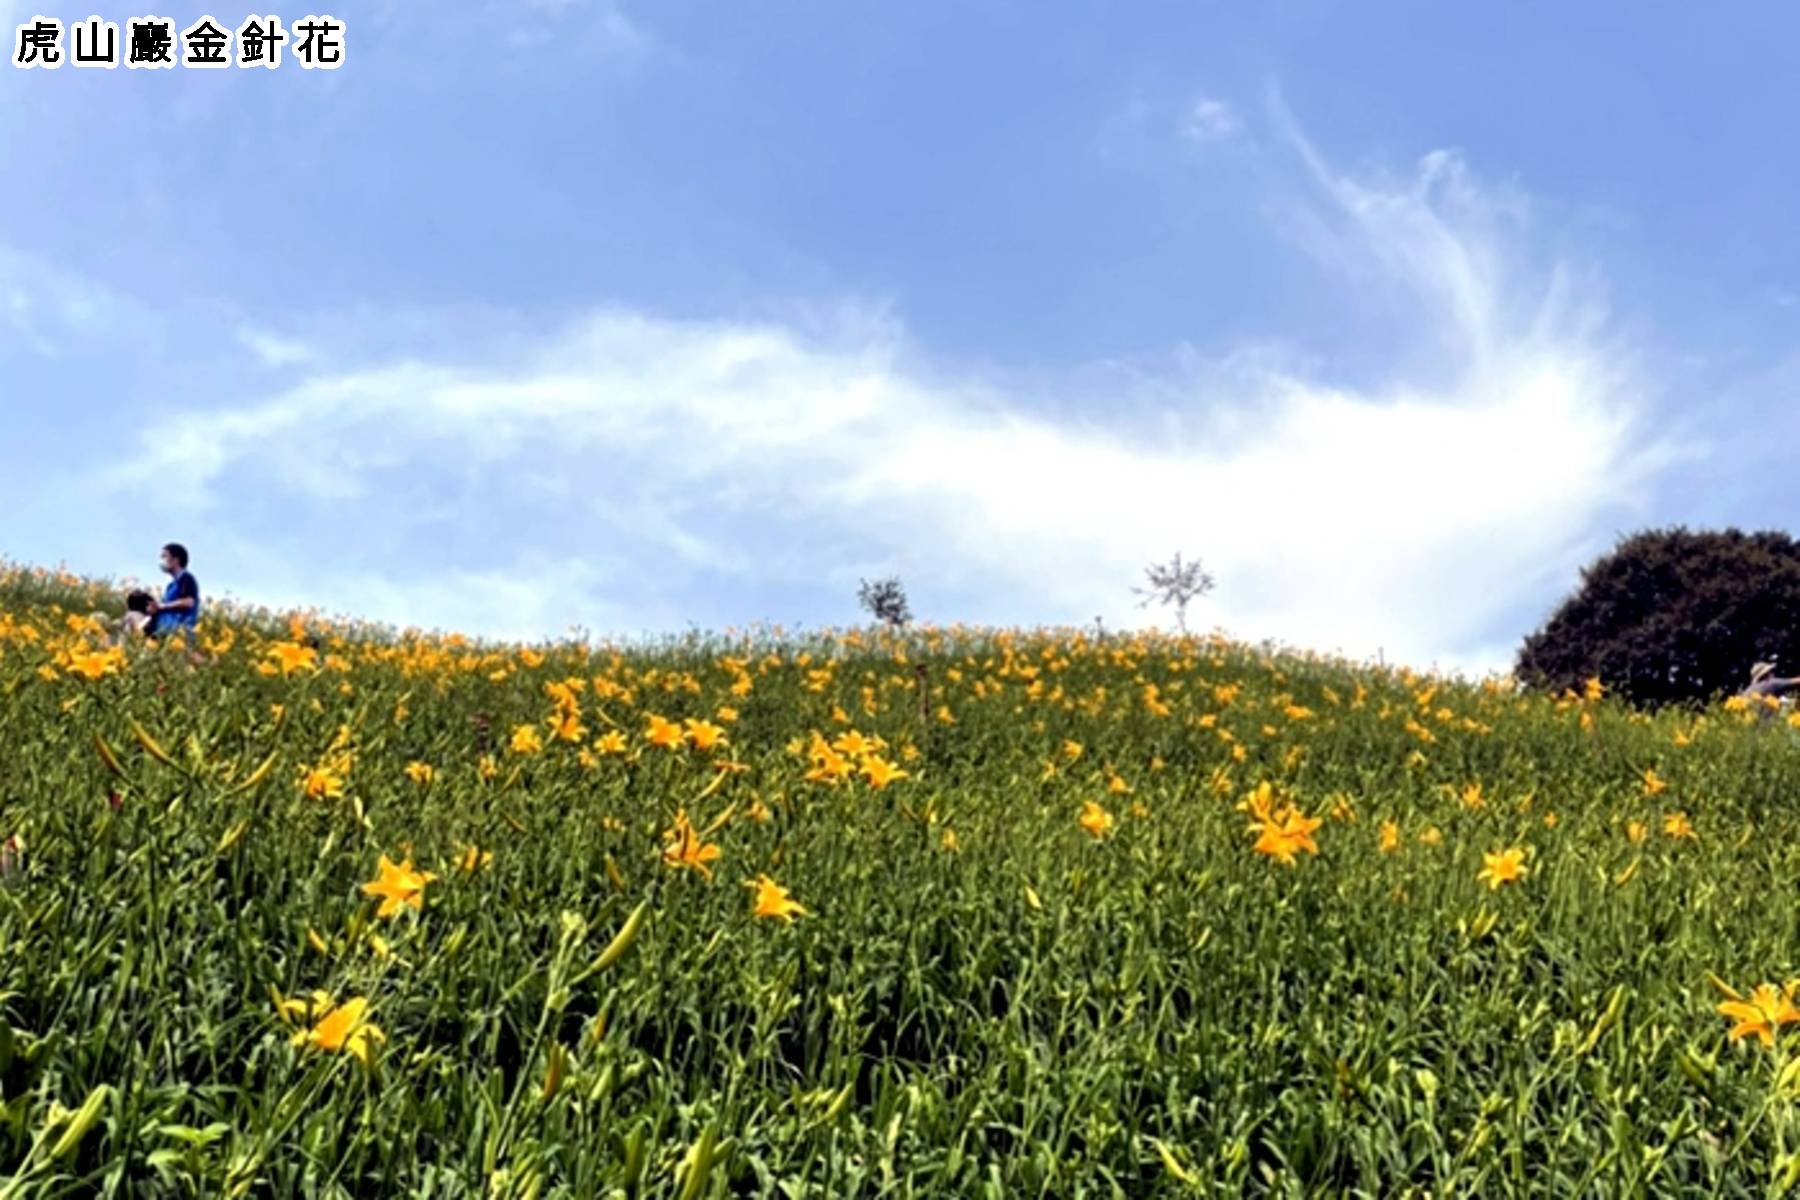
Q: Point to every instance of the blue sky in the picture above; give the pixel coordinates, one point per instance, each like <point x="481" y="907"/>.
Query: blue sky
<point x="634" y="317"/>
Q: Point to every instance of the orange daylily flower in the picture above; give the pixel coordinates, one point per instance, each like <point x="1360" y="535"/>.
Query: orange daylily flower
<point x="686" y="848"/>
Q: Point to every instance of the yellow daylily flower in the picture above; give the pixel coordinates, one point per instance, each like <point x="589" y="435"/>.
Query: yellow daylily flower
<point x="1094" y="819"/>
<point x="343" y="1028"/>
<point x="684" y="848"/>
<point x="1508" y="866"/>
<point x="398" y="885"/>
<point x="1765" y="1010"/>
<point x="880" y="772"/>
<point x="772" y="900"/>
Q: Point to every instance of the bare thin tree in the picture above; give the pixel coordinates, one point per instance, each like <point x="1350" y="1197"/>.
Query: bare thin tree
<point x="1175" y="584"/>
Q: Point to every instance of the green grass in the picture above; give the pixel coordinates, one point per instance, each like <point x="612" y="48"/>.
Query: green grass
<point x="1037" y="1012"/>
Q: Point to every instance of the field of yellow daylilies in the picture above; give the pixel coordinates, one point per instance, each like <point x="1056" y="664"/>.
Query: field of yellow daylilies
<point x="324" y="909"/>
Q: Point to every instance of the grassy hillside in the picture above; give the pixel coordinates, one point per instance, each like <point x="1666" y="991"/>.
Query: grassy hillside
<point x="343" y="912"/>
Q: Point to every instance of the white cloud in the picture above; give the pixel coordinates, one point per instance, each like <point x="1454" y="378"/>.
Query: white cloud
<point x="272" y="349"/>
<point x="1415" y="516"/>
<point x="1209" y="120"/>
<point x="599" y="27"/>
<point x="529" y="600"/>
<point x="1141" y="128"/>
<point x="47" y="308"/>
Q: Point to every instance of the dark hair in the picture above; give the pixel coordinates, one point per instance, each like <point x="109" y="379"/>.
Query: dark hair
<point x="178" y="552"/>
<point x="138" y="601"/>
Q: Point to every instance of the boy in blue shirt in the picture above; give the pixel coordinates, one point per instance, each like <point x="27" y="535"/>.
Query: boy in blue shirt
<point x="179" y="608"/>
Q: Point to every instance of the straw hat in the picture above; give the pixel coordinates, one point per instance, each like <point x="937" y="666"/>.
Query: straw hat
<point x="1761" y="669"/>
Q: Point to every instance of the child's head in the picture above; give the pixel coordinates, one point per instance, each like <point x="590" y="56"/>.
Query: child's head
<point x="138" y="602"/>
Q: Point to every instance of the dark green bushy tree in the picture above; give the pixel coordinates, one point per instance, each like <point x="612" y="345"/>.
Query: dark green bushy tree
<point x="886" y="601"/>
<point x="1673" y="615"/>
